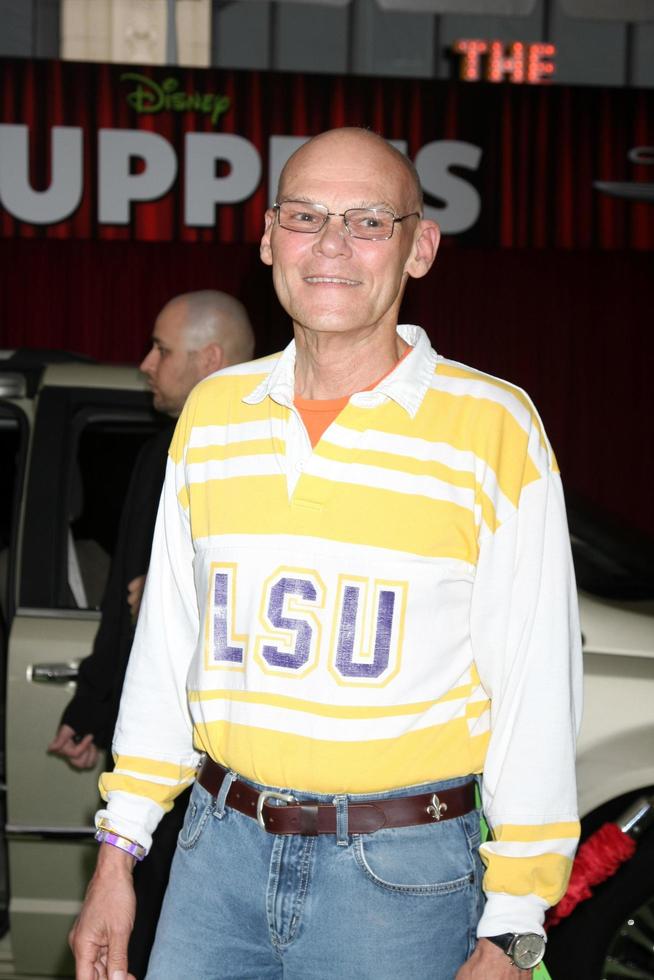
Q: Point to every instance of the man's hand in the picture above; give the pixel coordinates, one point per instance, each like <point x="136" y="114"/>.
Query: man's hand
<point x="82" y="753"/>
<point x="488" y="962"/>
<point x="134" y="595"/>
<point x="100" y="935"/>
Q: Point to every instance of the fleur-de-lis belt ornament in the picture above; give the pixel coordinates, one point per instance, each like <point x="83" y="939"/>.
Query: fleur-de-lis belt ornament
<point x="436" y="809"/>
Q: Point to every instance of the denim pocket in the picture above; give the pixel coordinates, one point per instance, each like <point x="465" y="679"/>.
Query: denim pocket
<point x="435" y="859"/>
<point x="199" y="809"/>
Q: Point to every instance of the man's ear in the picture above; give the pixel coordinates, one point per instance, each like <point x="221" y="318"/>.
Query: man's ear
<point x="423" y="249"/>
<point x="265" y="251"/>
<point x="213" y="359"/>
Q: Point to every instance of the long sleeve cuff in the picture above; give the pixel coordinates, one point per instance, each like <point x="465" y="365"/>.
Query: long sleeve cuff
<point x="512" y="913"/>
<point x="131" y="816"/>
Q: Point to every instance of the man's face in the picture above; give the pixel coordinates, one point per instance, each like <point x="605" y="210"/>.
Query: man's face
<point x="171" y="369"/>
<point x="330" y="281"/>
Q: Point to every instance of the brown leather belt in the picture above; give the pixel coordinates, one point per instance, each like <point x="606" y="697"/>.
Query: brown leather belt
<point x="297" y="817"/>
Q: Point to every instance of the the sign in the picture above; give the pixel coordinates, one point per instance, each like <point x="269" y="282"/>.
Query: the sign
<point x="495" y="61"/>
<point x="156" y="154"/>
<point x="214" y="170"/>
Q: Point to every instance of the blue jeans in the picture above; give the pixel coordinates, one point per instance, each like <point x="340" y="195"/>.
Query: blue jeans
<point x="243" y="904"/>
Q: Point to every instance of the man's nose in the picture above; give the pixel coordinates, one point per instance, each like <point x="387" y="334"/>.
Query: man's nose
<point x="333" y="238"/>
<point x="148" y="363"/>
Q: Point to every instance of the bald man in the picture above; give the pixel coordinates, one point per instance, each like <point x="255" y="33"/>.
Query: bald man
<point x="363" y="600"/>
<point x="195" y="334"/>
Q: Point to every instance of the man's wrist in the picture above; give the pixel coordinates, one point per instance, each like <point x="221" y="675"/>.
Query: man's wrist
<point x="525" y="950"/>
<point x="111" y="860"/>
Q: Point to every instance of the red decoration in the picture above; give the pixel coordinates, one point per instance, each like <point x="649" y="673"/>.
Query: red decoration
<point x="597" y="859"/>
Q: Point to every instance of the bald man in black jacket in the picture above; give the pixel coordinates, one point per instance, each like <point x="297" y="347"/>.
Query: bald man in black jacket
<point x="195" y="335"/>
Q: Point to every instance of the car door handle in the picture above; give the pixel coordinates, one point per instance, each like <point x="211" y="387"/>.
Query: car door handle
<point x="52" y="673"/>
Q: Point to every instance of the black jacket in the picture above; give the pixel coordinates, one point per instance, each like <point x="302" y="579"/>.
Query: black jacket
<point x="94" y="707"/>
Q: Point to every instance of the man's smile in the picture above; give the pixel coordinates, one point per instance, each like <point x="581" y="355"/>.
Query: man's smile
<point x="331" y="281"/>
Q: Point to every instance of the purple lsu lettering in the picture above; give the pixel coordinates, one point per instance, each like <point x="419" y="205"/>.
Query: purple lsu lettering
<point x="298" y="640"/>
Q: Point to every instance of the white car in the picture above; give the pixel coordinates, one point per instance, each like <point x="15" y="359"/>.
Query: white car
<point x="69" y="433"/>
<point x="611" y="935"/>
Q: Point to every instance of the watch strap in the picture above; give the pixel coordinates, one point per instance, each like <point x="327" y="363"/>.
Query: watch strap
<point x="504" y="941"/>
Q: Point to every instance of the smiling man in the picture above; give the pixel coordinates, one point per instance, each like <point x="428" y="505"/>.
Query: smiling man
<point x="360" y="599"/>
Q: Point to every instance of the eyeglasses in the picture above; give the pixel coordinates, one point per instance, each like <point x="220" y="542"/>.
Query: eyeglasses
<point x="371" y="224"/>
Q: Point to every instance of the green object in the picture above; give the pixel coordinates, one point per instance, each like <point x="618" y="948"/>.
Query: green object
<point x="541" y="972"/>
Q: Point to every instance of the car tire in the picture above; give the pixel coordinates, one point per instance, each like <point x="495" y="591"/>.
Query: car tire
<point x="578" y="947"/>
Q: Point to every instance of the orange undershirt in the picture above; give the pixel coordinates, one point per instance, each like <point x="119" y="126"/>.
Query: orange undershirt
<point x="319" y="413"/>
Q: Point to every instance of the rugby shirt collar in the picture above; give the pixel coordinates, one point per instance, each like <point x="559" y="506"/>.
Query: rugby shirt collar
<point x="407" y="384"/>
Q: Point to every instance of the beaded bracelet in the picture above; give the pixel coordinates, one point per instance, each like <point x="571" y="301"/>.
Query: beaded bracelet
<point x="105" y="836"/>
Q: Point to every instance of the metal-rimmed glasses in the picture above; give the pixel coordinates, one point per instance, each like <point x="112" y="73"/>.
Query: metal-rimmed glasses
<point x="370" y="224"/>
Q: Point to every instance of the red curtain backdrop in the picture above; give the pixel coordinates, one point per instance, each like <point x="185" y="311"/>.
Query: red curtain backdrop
<point x="551" y="288"/>
<point x="543" y="147"/>
<point x="571" y="327"/>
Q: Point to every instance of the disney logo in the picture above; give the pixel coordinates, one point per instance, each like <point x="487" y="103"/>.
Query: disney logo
<point x="150" y="97"/>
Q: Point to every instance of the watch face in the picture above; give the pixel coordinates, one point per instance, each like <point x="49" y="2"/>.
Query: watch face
<point x="528" y="950"/>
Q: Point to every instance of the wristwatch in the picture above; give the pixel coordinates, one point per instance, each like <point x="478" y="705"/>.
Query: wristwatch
<point x="524" y="949"/>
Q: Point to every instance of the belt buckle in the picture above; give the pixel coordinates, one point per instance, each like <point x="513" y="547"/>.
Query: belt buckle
<point x="270" y="795"/>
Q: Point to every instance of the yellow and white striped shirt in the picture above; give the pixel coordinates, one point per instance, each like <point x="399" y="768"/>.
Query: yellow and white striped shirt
<point x="394" y="606"/>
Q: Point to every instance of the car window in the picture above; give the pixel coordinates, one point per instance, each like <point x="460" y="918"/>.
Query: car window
<point x="13" y="438"/>
<point x="85" y="446"/>
<point x="106" y="448"/>
<point x="9" y="443"/>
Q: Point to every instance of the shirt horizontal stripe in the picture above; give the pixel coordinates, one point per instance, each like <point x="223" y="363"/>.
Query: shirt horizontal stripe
<point x="317" y="766"/>
<point x="330" y="729"/>
<point x="537" y="848"/>
<point x="154" y="767"/>
<point x="257" y="464"/>
<point x="430" y="528"/>
<point x="159" y="793"/>
<point x="533" y="832"/>
<point x="161" y="780"/>
<point x="398" y="463"/>
<point x="203" y="436"/>
<point x="215" y="453"/>
<point x="546" y="876"/>
<point x="329" y="710"/>
<point x="395" y="481"/>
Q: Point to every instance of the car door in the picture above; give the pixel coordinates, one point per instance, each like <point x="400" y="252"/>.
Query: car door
<point x="84" y="444"/>
<point x="15" y="418"/>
